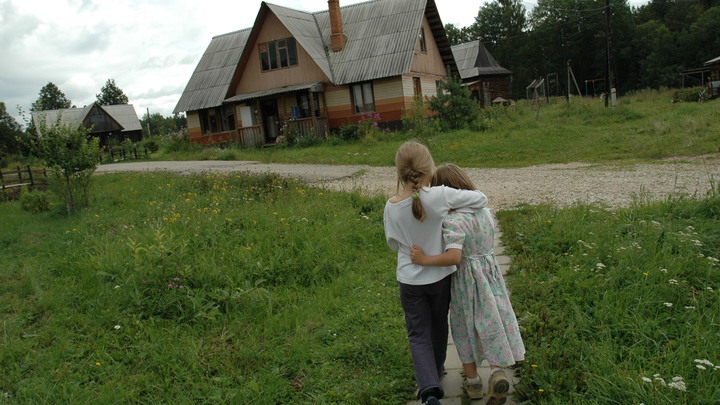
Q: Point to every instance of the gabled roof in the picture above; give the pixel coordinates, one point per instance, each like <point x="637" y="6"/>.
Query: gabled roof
<point x="381" y="38"/>
<point x="473" y="60"/>
<point x="712" y="61"/>
<point x="209" y="83"/>
<point x="123" y="114"/>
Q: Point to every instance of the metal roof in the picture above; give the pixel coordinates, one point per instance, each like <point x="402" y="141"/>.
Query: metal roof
<point x="381" y="39"/>
<point x="209" y="83"/>
<point x="279" y="90"/>
<point x="473" y="60"/>
<point x="713" y="60"/>
<point x="124" y="114"/>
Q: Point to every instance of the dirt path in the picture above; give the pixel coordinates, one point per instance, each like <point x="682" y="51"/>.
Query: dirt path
<point x="562" y="184"/>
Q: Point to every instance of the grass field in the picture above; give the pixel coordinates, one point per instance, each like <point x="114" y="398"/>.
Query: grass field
<point x="644" y="127"/>
<point x="214" y="288"/>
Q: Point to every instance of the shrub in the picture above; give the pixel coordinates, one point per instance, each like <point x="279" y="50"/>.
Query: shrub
<point x="691" y="94"/>
<point x="453" y="105"/>
<point x="34" y="201"/>
<point x="418" y="123"/>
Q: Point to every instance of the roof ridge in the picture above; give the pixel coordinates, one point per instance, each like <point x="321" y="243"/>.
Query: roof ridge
<point x="232" y="32"/>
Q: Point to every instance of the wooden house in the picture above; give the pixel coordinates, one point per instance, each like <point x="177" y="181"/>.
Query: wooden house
<point x="300" y="71"/>
<point x="480" y="72"/>
<point x="110" y="123"/>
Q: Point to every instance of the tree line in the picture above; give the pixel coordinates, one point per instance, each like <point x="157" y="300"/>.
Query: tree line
<point x="650" y="44"/>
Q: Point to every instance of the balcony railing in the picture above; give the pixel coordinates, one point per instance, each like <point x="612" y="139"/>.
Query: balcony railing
<point x="317" y="126"/>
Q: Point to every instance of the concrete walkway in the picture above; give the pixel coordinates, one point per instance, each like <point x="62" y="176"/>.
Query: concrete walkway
<point x="453" y="381"/>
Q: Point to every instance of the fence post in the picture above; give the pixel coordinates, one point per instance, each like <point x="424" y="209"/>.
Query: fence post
<point x="32" y="182"/>
<point x="2" y="180"/>
<point x="19" y="171"/>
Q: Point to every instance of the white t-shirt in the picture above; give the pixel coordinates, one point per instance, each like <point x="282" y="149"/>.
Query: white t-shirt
<point x="402" y="230"/>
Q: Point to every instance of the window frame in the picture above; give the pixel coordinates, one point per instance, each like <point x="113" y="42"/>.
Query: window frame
<point x="366" y="94"/>
<point x="278" y="54"/>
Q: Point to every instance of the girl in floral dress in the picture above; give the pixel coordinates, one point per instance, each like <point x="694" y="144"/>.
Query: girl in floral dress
<point x="482" y="320"/>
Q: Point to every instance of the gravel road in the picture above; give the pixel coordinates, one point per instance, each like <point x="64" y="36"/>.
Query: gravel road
<point x="560" y="184"/>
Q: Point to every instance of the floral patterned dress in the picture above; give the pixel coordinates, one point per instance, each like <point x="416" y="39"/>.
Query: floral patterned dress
<point x="482" y="321"/>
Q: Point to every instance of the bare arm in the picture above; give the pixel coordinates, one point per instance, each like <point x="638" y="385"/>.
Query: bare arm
<point x="448" y="258"/>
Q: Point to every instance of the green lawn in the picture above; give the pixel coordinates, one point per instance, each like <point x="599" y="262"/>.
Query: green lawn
<point x="644" y="127"/>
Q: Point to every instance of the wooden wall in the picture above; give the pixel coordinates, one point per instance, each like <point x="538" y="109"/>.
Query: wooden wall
<point x="254" y="79"/>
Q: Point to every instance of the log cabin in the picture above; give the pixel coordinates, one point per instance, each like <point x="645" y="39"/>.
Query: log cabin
<point x="481" y="73"/>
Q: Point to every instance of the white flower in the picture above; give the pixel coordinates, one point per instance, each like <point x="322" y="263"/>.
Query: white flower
<point x="116" y="287"/>
<point x="700" y="366"/>
<point x="678" y="383"/>
<point x="646" y="379"/>
<point x="668" y="304"/>
<point x="704" y="361"/>
<point x="663" y="270"/>
<point x="600" y="266"/>
<point x="689" y="307"/>
<point x="118" y="327"/>
<point x="673" y="281"/>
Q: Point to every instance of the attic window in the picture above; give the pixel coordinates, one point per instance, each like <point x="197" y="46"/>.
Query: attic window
<point x="278" y="54"/>
<point x="423" y="44"/>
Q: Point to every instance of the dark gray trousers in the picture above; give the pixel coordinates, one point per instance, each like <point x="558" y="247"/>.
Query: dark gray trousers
<point x="426" y="320"/>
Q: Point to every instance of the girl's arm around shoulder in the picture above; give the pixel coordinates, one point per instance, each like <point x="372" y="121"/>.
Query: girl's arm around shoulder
<point x="469" y="199"/>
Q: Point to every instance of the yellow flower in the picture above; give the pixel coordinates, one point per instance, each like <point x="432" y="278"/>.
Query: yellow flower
<point x="645" y="274"/>
<point x="541" y="390"/>
<point x="97" y="363"/>
<point x="248" y="247"/>
<point x="534" y="365"/>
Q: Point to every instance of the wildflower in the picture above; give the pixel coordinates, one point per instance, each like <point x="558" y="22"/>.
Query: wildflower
<point x="541" y="390"/>
<point x="534" y="366"/>
<point x="700" y="366"/>
<point x="645" y="274"/>
<point x="663" y="270"/>
<point x="176" y="278"/>
<point x="646" y="379"/>
<point x="668" y="304"/>
<point x="689" y="307"/>
<point x="117" y="327"/>
<point x="678" y="383"/>
<point x="181" y="287"/>
<point x="97" y="363"/>
<point x="704" y="361"/>
<point x="673" y="281"/>
<point x="600" y="266"/>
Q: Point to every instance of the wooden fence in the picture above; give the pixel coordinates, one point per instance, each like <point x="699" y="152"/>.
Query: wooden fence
<point x="23" y="177"/>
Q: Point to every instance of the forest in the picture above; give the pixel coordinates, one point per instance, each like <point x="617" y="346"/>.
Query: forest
<point x="649" y="46"/>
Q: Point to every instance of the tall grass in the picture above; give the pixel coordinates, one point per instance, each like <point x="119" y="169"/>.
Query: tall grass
<point x="618" y="307"/>
<point x="201" y="289"/>
<point x="645" y="126"/>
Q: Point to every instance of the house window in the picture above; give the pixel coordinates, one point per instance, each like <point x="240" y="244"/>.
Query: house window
<point x="416" y="86"/>
<point x="423" y="43"/>
<point x="278" y="54"/>
<point x="362" y="97"/>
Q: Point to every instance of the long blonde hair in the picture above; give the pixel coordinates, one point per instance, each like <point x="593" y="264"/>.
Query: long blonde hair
<point x="413" y="161"/>
<point x="448" y="174"/>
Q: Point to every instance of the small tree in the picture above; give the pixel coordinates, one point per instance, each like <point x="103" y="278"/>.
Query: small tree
<point x="51" y="98"/>
<point x="71" y="154"/>
<point x="453" y="105"/>
<point x="111" y="94"/>
<point x="10" y="131"/>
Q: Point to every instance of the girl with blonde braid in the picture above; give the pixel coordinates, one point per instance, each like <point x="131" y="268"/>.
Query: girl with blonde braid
<point x="414" y="216"/>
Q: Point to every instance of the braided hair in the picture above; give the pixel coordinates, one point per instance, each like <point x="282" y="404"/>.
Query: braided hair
<point x="413" y="162"/>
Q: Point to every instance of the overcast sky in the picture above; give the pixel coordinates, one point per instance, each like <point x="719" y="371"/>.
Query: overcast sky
<point x="150" y="48"/>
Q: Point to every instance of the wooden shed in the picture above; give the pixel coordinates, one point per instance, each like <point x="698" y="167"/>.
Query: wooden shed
<point x="110" y="123"/>
<point x="481" y="73"/>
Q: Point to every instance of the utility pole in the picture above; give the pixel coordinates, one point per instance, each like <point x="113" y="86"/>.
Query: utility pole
<point x="148" y="120"/>
<point x="609" y="77"/>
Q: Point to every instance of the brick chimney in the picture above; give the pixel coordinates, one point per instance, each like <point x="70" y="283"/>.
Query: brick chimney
<point x="337" y="37"/>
